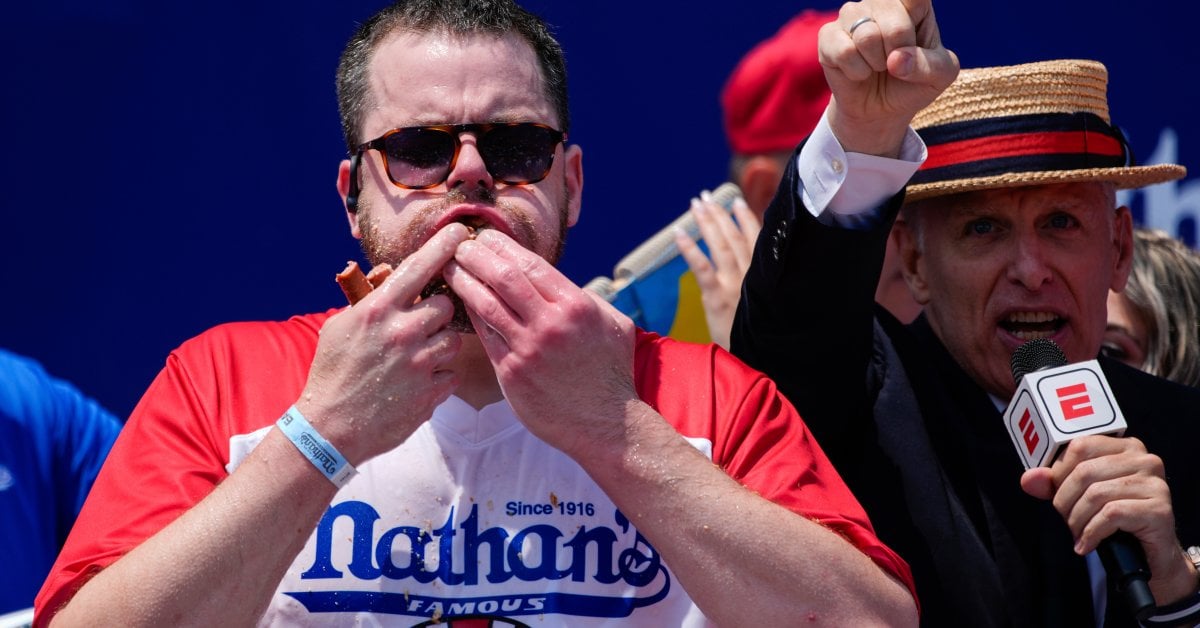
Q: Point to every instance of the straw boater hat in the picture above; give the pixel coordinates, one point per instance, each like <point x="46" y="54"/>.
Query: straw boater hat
<point x="1030" y="124"/>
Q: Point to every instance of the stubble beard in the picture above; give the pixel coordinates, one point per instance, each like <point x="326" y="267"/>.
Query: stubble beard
<point x="381" y="247"/>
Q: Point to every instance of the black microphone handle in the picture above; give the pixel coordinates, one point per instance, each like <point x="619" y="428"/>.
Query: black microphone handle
<point x="1125" y="565"/>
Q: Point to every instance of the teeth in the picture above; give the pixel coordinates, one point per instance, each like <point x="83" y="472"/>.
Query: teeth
<point x="1031" y="325"/>
<point x="1031" y="317"/>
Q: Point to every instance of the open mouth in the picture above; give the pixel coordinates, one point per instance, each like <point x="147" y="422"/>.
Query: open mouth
<point x="1031" y="325"/>
<point x="474" y="224"/>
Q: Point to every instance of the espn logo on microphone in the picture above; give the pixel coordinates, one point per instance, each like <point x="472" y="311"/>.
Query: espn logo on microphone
<point x="1055" y="405"/>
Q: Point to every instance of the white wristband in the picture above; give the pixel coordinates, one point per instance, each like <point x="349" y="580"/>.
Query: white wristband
<point x="320" y="452"/>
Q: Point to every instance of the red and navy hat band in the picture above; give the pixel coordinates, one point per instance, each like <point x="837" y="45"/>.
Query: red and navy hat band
<point x="1024" y="143"/>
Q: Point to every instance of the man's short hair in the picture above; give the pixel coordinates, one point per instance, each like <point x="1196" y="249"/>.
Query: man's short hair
<point x="455" y="17"/>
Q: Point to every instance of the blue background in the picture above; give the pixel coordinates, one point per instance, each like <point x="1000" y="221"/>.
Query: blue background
<point x="171" y="166"/>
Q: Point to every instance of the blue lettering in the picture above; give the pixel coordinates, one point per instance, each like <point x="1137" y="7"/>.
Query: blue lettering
<point x="417" y="542"/>
<point x="494" y="538"/>
<point x="514" y="509"/>
<point x="545" y="568"/>
<point x="415" y="569"/>
<point x="514" y="605"/>
<point x="364" y="517"/>
<point x="638" y="568"/>
<point x="463" y="608"/>
<point x="604" y="540"/>
<point x="446" y="550"/>
<point x="530" y="555"/>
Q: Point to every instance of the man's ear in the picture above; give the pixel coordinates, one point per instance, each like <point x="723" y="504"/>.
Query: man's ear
<point x="1123" y="245"/>
<point x="573" y="174"/>
<point x="909" y="247"/>
<point x="343" y="188"/>
<point x="759" y="180"/>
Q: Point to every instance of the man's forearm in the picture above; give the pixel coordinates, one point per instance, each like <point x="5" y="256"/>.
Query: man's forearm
<point x="210" y="566"/>
<point x="731" y="549"/>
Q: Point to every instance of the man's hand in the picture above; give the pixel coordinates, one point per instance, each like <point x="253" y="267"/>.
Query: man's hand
<point x="564" y="358"/>
<point x="381" y="366"/>
<point x="1102" y="484"/>
<point x="731" y="246"/>
<point x="891" y="67"/>
<point x="562" y="355"/>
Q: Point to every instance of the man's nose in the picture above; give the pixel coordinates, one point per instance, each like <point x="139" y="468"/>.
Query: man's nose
<point x="469" y="170"/>
<point x="1030" y="265"/>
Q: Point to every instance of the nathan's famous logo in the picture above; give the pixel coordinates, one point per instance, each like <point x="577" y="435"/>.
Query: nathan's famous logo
<point x="467" y="556"/>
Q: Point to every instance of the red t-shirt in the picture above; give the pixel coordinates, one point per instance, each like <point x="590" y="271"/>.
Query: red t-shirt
<point x="237" y="379"/>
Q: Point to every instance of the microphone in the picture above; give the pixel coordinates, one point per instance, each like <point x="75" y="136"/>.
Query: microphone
<point x="1056" y="402"/>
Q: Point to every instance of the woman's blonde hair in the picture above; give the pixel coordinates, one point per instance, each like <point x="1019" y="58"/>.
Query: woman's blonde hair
<point x="1164" y="290"/>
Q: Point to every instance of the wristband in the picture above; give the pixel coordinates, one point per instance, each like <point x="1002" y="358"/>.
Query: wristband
<point x="320" y="452"/>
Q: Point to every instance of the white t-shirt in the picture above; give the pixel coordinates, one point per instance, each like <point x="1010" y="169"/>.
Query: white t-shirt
<point x="438" y="527"/>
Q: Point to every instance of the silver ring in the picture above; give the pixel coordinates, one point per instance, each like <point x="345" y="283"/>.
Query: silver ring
<point x="859" y="22"/>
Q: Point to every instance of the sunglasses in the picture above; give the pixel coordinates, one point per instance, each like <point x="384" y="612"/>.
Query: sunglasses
<point x="420" y="157"/>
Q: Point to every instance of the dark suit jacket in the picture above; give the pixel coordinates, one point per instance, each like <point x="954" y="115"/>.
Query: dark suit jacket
<point x="921" y="445"/>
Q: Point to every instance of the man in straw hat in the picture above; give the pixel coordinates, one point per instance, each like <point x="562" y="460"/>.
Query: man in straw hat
<point x="1009" y="231"/>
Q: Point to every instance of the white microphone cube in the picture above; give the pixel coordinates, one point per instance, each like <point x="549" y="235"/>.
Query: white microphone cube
<point x="1056" y="405"/>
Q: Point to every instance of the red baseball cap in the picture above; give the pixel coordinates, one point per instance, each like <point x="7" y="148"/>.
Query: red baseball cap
<point x="777" y="92"/>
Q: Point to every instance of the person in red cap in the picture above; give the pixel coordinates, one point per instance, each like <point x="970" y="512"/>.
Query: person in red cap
<point x="771" y="102"/>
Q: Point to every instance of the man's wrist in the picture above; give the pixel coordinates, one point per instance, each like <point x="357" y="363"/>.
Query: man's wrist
<point x="622" y="443"/>
<point x="882" y="138"/>
<point x="1192" y="554"/>
<point x="1183" y="610"/>
<point x="1185" y="581"/>
<point x="320" y="452"/>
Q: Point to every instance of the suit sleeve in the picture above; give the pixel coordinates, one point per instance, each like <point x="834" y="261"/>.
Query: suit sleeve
<point x="806" y="313"/>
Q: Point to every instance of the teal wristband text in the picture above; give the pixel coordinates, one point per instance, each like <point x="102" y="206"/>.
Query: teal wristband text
<point x="319" y="451"/>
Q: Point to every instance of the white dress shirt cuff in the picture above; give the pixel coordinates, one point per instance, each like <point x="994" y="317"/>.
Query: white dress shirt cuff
<point x="848" y="189"/>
